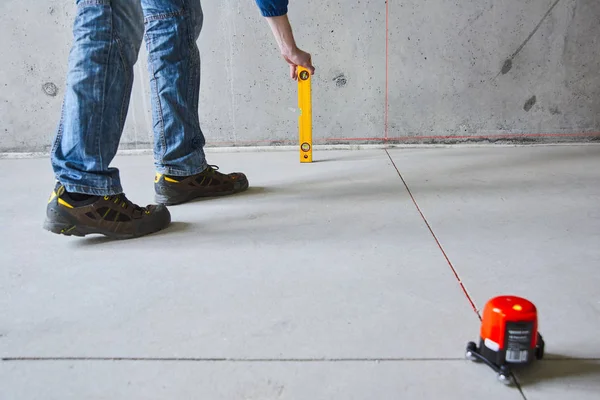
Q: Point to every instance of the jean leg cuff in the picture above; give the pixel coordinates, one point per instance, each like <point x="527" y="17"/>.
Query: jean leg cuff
<point x="189" y="171"/>
<point x="111" y="191"/>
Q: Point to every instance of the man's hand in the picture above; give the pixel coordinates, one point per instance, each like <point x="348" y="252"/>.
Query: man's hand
<point x="295" y="57"/>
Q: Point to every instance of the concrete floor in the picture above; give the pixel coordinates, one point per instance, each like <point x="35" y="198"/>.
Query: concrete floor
<point x="323" y="281"/>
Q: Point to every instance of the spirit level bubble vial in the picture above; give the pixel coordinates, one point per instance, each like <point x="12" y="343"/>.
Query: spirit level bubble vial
<point x="305" y="119"/>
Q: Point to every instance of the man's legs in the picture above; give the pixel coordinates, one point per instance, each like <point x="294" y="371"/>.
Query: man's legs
<point x="172" y="28"/>
<point x="88" y="198"/>
<point x="107" y="38"/>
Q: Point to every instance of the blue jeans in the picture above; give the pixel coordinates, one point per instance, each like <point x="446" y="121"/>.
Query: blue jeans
<point x="107" y="39"/>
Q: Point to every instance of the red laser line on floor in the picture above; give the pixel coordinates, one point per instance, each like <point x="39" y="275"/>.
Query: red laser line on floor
<point x="464" y="289"/>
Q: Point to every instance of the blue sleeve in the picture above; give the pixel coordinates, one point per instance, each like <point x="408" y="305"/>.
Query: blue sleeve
<point x="272" y="8"/>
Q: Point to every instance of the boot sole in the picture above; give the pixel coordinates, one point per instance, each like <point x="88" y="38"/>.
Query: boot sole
<point x="82" y="231"/>
<point x="66" y="228"/>
<point x="79" y="231"/>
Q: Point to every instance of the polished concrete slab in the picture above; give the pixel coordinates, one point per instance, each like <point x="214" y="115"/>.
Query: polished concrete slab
<point x="316" y="260"/>
<point x="318" y="270"/>
<point x="326" y="380"/>
<point x="256" y="381"/>
<point x="520" y="220"/>
<point x="561" y="378"/>
<point x="523" y="221"/>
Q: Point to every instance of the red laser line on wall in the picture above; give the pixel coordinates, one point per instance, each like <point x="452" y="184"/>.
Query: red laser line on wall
<point x="476" y="137"/>
<point x="387" y="56"/>
<point x="400" y="139"/>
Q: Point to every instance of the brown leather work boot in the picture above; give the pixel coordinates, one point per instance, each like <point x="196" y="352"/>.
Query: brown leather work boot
<point x="112" y="216"/>
<point x="171" y="190"/>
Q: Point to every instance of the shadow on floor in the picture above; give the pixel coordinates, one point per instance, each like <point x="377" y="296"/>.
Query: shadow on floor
<point x="560" y="368"/>
<point x="251" y="191"/>
<point x="174" y="227"/>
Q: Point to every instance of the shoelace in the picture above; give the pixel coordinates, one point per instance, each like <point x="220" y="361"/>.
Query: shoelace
<point x="214" y="169"/>
<point x="126" y="203"/>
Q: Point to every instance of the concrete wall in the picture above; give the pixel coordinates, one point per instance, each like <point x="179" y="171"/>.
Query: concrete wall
<point x="469" y="68"/>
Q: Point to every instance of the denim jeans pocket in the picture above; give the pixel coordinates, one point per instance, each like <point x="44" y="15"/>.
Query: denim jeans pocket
<point x="162" y="9"/>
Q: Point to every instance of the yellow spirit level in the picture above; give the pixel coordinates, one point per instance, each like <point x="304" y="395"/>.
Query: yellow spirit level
<point x="305" y="119"/>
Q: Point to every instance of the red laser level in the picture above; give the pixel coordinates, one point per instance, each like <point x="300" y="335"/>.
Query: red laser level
<point x="509" y="336"/>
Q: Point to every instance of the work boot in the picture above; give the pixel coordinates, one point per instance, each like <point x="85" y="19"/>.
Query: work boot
<point x="112" y="216"/>
<point x="171" y="190"/>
